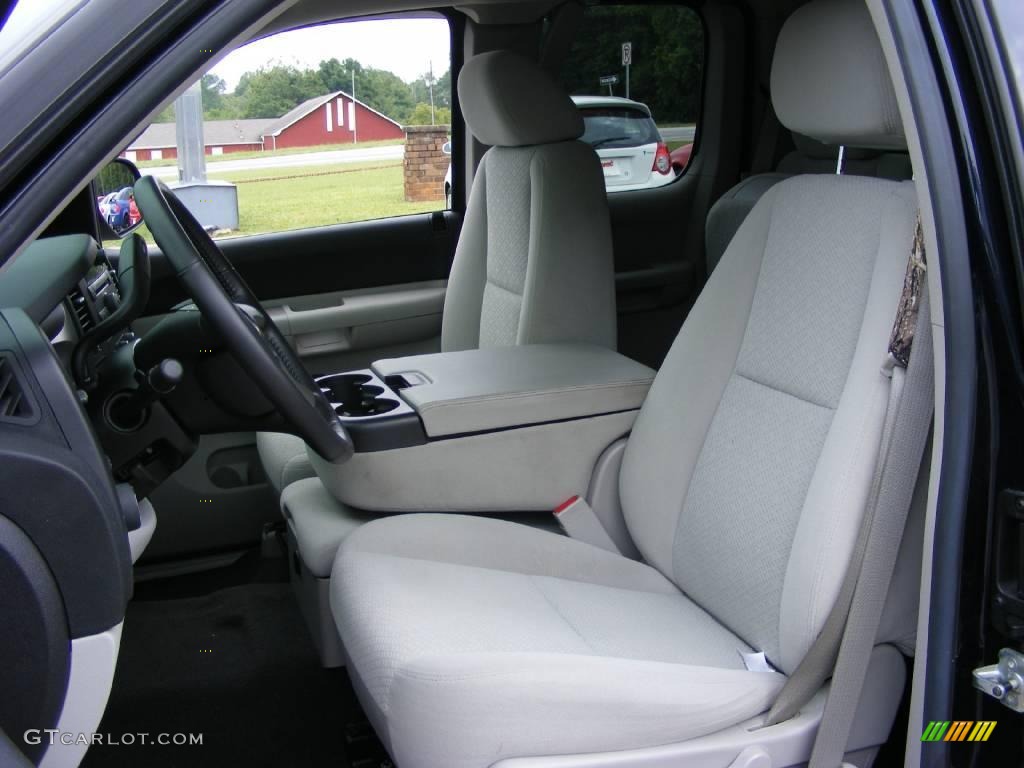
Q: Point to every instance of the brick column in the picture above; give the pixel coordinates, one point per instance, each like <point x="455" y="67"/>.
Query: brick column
<point x="425" y="164"/>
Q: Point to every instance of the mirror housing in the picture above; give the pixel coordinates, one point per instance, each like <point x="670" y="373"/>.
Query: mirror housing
<point x="113" y="189"/>
<point x="446" y="148"/>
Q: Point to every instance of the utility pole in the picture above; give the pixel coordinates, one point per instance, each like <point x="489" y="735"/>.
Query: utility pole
<point x="352" y="107"/>
<point x="188" y="114"/>
<point x="430" y="82"/>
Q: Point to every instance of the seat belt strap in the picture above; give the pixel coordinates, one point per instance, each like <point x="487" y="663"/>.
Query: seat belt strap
<point x="912" y="425"/>
<point x="843" y="648"/>
<point x="767" y="142"/>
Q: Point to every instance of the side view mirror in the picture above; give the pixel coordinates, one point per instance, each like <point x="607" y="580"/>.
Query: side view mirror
<point x="114" y="191"/>
<point x="447" y="148"/>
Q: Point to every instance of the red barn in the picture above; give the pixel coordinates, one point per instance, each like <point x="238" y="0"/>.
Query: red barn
<point x="221" y="137"/>
<point x="334" y="118"/>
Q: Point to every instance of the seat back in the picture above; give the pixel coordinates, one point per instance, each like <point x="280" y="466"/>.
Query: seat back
<point x="748" y="469"/>
<point x="534" y="260"/>
<point x="810" y="156"/>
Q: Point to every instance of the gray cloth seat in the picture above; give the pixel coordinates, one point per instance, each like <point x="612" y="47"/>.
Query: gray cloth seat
<point x="525" y="610"/>
<point x="536" y="231"/>
<point x="743" y="485"/>
<point x="810" y="156"/>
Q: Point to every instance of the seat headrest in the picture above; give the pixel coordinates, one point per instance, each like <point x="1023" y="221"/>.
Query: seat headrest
<point x="509" y="101"/>
<point x="829" y="78"/>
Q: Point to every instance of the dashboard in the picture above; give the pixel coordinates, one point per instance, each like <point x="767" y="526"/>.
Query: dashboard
<point x="65" y="560"/>
<point x="96" y="296"/>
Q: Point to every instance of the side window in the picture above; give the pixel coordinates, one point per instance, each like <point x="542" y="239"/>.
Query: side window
<point x="635" y="72"/>
<point x="323" y="125"/>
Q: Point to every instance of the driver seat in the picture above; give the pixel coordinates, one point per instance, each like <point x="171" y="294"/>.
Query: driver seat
<point x="474" y="642"/>
<point x="536" y="232"/>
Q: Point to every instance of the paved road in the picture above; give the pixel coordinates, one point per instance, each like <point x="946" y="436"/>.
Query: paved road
<point x="391" y="152"/>
<point x="684" y="133"/>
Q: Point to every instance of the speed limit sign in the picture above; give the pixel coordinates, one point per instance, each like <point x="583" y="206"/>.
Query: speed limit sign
<point x="627" y="54"/>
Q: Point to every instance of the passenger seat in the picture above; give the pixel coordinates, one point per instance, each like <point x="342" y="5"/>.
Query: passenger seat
<point x="810" y="156"/>
<point x="534" y="260"/>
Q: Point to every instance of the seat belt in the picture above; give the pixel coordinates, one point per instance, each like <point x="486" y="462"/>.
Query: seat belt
<point x="843" y="648"/>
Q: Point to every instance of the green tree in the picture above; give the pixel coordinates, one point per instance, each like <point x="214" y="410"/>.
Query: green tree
<point x="213" y="88"/>
<point x="420" y="115"/>
<point x="668" y="57"/>
<point x="420" y="89"/>
<point x="384" y="91"/>
<point x="272" y="91"/>
<point x="217" y="103"/>
<point x="337" y="76"/>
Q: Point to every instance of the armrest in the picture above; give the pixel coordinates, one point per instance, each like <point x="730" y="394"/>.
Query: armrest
<point x="486" y="389"/>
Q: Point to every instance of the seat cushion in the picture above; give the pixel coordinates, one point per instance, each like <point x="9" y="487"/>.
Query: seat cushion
<point x="473" y="639"/>
<point x="284" y="458"/>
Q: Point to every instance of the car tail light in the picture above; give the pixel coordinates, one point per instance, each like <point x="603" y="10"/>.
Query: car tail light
<point x="662" y="160"/>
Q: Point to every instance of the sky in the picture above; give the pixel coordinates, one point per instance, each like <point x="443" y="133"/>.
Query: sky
<point x="403" y="46"/>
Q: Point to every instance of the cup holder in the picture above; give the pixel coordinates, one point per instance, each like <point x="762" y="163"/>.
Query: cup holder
<point x="345" y="387"/>
<point x="370" y="407"/>
<point x="353" y="396"/>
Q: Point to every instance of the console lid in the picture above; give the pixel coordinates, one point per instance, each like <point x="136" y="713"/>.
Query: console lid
<point x="479" y="390"/>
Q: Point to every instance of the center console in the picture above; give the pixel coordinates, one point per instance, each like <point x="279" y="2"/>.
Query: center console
<point x="498" y="429"/>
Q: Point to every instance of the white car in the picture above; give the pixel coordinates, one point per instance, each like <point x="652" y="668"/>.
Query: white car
<point x="624" y="135"/>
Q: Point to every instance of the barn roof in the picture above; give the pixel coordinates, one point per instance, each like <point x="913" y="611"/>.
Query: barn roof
<point x="249" y="131"/>
<point x="295" y="114"/>
<point x="215" y="133"/>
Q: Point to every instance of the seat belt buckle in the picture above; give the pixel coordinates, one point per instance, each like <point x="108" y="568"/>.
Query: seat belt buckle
<point x="578" y="520"/>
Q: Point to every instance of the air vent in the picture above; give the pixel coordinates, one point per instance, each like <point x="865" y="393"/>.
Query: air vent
<point x="81" y="309"/>
<point x="14" y="402"/>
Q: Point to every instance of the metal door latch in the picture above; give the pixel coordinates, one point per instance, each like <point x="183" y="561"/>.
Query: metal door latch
<point x="1004" y="681"/>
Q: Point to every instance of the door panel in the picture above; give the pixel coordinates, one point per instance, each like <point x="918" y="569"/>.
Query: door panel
<point x="340" y="331"/>
<point x="344" y="295"/>
<point x="344" y="257"/>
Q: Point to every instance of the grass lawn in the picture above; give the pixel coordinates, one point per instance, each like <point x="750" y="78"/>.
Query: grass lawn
<point x="277" y="153"/>
<point x="309" y="197"/>
<point x="279" y="199"/>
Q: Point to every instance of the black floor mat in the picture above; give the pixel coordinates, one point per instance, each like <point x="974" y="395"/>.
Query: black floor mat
<point x="236" y="666"/>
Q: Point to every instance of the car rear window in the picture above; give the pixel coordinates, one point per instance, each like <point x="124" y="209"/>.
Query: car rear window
<point x="615" y="127"/>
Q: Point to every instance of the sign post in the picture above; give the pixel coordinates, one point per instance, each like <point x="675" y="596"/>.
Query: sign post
<point x="627" y="59"/>
<point x="188" y="116"/>
<point x="609" y="80"/>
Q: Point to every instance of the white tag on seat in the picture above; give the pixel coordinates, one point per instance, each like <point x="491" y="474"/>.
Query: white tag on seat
<point x="756" y="662"/>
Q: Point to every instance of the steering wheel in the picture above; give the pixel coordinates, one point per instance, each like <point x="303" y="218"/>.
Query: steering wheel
<point x="236" y="315"/>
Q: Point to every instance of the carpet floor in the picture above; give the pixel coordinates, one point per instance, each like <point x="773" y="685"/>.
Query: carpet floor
<point x="236" y="665"/>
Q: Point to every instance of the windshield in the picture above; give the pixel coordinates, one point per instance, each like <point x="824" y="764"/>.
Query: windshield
<point x="617" y="127"/>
